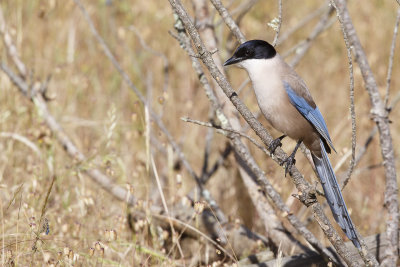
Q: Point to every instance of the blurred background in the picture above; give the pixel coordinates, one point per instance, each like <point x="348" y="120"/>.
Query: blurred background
<point x="107" y="122"/>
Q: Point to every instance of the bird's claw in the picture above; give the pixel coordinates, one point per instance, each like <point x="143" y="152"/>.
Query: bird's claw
<point x="274" y="145"/>
<point x="288" y="162"/>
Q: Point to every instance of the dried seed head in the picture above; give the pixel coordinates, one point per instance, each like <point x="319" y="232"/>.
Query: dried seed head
<point x="9" y="254"/>
<point x="46" y="256"/>
<point x="218" y="251"/>
<point x="102" y="252"/>
<point x="91" y="252"/>
<point x="199" y="207"/>
<point x="113" y="235"/>
<point x="32" y="225"/>
<point x="97" y="246"/>
<point x="71" y="254"/>
<point x="66" y="251"/>
<point x="59" y="255"/>
<point x="107" y="234"/>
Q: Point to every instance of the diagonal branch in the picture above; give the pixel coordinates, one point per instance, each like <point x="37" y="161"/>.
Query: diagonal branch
<point x="248" y="162"/>
<point x="306" y="190"/>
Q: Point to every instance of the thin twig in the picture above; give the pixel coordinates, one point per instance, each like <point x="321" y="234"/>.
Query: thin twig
<point x="279" y="24"/>
<point x="219" y="162"/>
<point x="243" y="10"/>
<point x="229" y="20"/>
<point x="302" y="23"/>
<point x="222" y="130"/>
<point x="156" y="53"/>
<point x="352" y="107"/>
<point x="323" y="24"/>
<point x="175" y="240"/>
<point x="392" y="48"/>
<point x="207" y="149"/>
<point x="380" y="116"/>
<point x="188" y="226"/>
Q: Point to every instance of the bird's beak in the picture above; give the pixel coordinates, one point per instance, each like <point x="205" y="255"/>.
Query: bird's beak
<point x="232" y="60"/>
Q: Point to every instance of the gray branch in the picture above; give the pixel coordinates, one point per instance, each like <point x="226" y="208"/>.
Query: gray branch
<point x="380" y="116"/>
<point x="306" y="190"/>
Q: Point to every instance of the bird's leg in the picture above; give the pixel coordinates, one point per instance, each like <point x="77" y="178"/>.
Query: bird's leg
<point x="274" y="144"/>
<point x="290" y="161"/>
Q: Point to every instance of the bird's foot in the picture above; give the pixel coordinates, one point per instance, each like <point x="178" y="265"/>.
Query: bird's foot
<point x="289" y="162"/>
<point x="275" y="144"/>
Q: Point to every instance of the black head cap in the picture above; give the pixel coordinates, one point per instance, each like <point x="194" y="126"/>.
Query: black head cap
<point x="253" y="49"/>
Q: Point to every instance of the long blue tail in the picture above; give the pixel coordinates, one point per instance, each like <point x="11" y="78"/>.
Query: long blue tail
<point x="334" y="196"/>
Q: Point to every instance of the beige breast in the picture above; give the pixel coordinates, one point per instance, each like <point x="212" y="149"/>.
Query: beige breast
<point x="267" y="77"/>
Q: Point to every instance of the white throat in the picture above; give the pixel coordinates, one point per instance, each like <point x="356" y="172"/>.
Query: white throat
<point x="261" y="68"/>
<point x="265" y="75"/>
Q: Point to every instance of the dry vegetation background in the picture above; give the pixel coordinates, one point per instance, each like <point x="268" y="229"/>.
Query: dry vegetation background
<point x="107" y="122"/>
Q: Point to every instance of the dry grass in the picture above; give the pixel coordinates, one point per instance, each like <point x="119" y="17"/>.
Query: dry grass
<point x="88" y="227"/>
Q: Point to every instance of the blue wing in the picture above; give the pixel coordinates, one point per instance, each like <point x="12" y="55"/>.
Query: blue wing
<point x="313" y="115"/>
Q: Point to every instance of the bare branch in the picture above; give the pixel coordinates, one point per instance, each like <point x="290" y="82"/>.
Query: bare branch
<point x="224" y="130"/>
<point x="392" y="48"/>
<point x="323" y="24"/>
<point x="229" y="20"/>
<point x="249" y="164"/>
<point x="275" y="42"/>
<point x="352" y="107"/>
<point x="301" y="184"/>
<point x="380" y="116"/>
<point x="302" y="23"/>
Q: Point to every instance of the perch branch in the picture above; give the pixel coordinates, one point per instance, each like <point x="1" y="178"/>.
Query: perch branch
<point x="302" y="185"/>
<point x="256" y="172"/>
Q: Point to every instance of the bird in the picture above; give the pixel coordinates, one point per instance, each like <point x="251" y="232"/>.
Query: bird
<point x="287" y="104"/>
